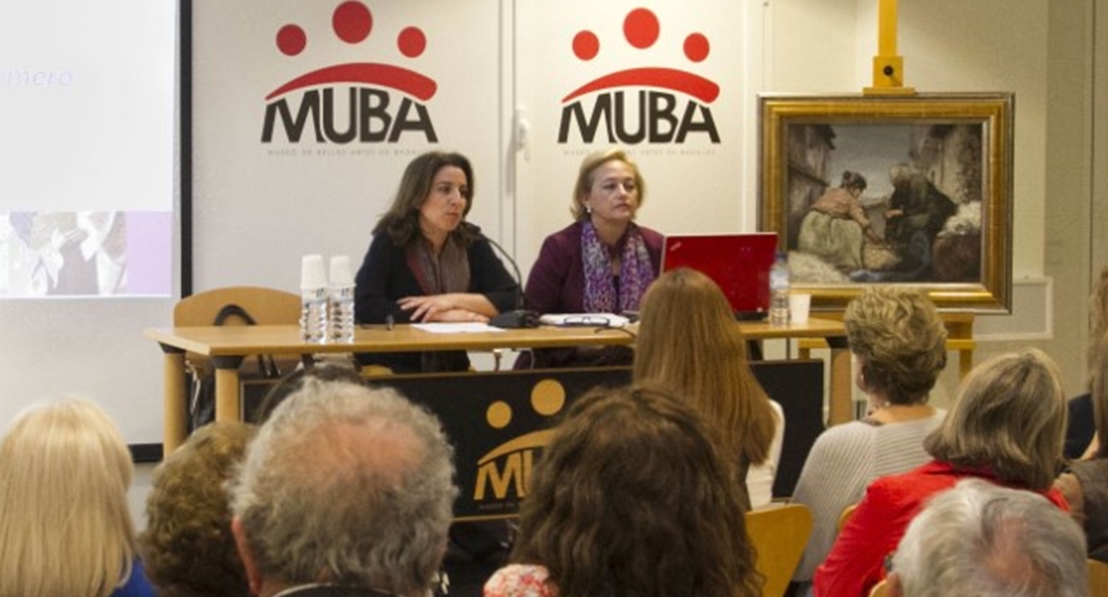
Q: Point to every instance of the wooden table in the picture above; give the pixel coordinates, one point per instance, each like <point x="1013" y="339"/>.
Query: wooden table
<point x="227" y="346"/>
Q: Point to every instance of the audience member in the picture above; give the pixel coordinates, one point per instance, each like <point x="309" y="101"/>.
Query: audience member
<point x="601" y="263"/>
<point x="981" y="540"/>
<point x="899" y="347"/>
<point x="631" y="498"/>
<point x="346" y="490"/>
<point x="65" y="528"/>
<point x="427" y="263"/>
<point x="1085" y="484"/>
<point x="1080" y="427"/>
<point x="1006" y="428"/>
<point x="294" y="381"/>
<point x="187" y="544"/>
<point x="689" y="340"/>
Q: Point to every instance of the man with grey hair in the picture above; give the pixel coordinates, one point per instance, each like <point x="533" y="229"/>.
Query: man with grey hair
<point x="982" y="540"/>
<point x="345" y="491"/>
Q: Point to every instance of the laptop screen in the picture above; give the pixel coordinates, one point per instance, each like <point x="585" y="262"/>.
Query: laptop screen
<point x="738" y="263"/>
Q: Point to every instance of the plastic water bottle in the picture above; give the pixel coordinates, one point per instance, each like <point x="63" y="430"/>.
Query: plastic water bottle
<point x="313" y="300"/>
<point x="342" y="300"/>
<point x="779" y="291"/>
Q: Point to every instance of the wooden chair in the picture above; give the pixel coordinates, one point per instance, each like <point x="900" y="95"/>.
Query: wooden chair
<point x="779" y="534"/>
<point x="880" y="589"/>
<point x="845" y="516"/>
<point x="265" y="305"/>
<point x="1098" y="578"/>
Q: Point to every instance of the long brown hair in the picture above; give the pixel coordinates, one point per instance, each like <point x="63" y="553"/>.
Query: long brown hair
<point x="690" y="341"/>
<point x="632" y="497"/>
<point x="401" y="221"/>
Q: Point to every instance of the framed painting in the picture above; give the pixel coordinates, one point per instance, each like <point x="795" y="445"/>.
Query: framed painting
<point x="913" y="190"/>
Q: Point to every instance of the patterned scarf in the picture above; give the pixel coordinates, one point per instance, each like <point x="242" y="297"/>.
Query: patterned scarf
<point x="635" y="271"/>
<point x="448" y="273"/>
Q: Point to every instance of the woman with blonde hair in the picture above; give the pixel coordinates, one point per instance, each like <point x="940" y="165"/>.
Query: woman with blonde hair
<point x="1006" y="428"/>
<point x="898" y="343"/>
<point x="601" y="263"/>
<point x="690" y="341"/>
<point x="65" y="528"/>
<point x="631" y="498"/>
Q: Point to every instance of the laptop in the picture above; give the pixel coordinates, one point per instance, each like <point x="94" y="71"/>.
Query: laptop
<point x="738" y="263"/>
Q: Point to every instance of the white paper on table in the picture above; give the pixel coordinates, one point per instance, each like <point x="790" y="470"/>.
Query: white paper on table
<point x="456" y="328"/>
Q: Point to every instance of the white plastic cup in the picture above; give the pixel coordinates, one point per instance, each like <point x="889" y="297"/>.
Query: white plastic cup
<point x="341" y="274"/>
<point x="312" y="273"/>
<point x="799" y="306"/>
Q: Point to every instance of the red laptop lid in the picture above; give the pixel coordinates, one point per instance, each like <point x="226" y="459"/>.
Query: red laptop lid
<point x="738" y="263"/>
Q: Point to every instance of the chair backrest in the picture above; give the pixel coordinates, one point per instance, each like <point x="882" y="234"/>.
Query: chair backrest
<point x="1098" y="578"/>
<point x="880" y="589"/>
<point x="779" y="535"/>
<point x="265" y="305"/>
<point x="845" y="516"/>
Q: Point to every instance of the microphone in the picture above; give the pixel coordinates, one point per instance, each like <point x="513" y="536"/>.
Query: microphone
<point x="520" y="317"/>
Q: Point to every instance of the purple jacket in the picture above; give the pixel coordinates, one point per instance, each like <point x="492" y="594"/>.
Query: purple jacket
<point x="557" y="280"/>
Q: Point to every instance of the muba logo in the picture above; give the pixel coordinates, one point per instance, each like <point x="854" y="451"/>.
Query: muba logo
<point x="373" y="113"/>
<point x="505" y="471"/>
<point x="652" y="114"/>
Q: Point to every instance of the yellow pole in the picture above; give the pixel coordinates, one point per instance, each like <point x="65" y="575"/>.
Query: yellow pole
<point x="888" y="66"/>
<point x="886" y="28"/>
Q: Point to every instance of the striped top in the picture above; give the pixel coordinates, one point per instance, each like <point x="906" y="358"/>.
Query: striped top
<point x="842" y="463"/>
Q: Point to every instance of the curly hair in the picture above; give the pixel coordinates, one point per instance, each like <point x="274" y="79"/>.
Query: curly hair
<point x="1010" y="417"/>
<point x="584" y="182"/>
<point x="401" y="221"/>
<point x="348" y="485"/>
<point x="187" y="545"/>
<point x="632" y="497"/>
<point x="689" y="340"/>
<point x="898" y="334"/>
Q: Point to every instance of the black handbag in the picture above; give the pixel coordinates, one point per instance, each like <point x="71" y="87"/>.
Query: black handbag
<point x="201" y="379"/>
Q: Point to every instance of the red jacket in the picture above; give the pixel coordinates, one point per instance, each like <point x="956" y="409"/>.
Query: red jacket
<point x="856" y="560"/>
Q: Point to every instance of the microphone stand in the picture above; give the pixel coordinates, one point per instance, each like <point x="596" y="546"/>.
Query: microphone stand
<point x="520" y="317"/>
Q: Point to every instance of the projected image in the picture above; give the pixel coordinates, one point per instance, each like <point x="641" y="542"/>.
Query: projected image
<point x="85" y="253"/>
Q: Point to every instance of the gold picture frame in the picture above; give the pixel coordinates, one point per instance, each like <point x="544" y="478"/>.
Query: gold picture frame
<point x="936" y="208"/>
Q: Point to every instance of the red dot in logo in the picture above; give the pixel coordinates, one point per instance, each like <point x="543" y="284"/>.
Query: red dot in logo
<point x="411" y="42"/>
<point x="641" y="28"/>
<point x="585" y="45"/>
<point x="291" y="40"/>
<point x="352" y="22"/>
<point x="696" y="47"/>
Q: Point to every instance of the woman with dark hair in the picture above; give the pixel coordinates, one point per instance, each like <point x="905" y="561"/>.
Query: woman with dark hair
<point x="426" y="263"/>
<point x="632" y="498"/>
<point x="1006" y="427"/>
<point x="835" y="225"/>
